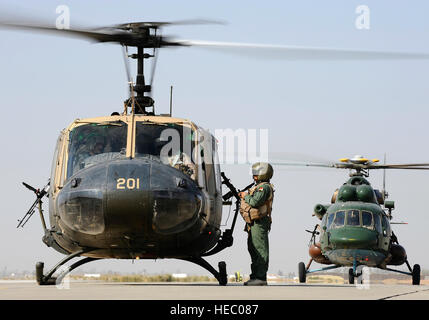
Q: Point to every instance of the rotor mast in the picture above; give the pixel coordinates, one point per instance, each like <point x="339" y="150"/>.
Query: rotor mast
<point x="142" y="35"/>
<point x="141" y="101"/>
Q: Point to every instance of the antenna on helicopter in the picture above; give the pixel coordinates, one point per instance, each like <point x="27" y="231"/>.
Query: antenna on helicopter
<point x="384" y="192"/>
<point x="171" y="101"/>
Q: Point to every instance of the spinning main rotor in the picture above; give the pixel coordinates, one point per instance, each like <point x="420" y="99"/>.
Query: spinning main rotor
<point x="146" y="35"/>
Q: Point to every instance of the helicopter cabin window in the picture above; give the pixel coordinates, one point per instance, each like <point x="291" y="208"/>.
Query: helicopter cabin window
<point x="353" y="218"/>
<point x="367" y="219"/>
<point x="339" y="219"/>
<point x="171" y="143"/>
<point x="95" y="143"/>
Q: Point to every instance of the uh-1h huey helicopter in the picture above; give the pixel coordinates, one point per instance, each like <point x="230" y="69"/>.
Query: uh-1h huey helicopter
<point x="137" y="185"/>
<point x="355" y="229"/>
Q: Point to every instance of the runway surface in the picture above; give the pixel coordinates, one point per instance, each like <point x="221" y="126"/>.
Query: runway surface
<point x="82" y="290"/>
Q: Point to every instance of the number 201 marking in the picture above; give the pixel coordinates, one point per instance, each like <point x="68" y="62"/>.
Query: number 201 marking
<point x="129" y="183"/>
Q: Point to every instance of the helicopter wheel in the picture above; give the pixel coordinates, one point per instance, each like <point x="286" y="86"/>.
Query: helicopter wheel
<point x="416" y="274"/>
<point x="223" y="277"/>
<point x="351" y="276"/>
<point x="302" y="272"/>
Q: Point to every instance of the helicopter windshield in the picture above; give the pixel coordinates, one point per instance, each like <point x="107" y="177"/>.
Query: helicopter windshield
<point x="353" y="218"/>
<point x="94" y="143"/>
<point x="172" y="143"/>
<point x="366" y="219"/>
<point x="339" y="219"/>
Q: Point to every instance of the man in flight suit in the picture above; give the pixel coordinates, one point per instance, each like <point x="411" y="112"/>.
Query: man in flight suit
<point x="255" y="209"/>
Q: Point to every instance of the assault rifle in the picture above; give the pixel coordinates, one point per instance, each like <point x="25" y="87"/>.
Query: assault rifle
<point x="233" y="191"/>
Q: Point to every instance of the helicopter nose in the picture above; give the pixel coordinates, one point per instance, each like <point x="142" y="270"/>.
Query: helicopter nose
<point x="146" y="196"/>
<point x="352" y="237"/>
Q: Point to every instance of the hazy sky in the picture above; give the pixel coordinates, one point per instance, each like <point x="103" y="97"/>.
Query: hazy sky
<point x="323" y="109"/>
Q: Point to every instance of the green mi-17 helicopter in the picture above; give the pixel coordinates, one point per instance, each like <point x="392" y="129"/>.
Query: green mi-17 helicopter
<point x="355" y="229"/>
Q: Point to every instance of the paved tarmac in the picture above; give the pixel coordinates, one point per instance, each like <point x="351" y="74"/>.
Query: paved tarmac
<point x="86" y="290"/>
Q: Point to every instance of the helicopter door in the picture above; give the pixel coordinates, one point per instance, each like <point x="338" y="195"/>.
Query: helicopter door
<point x="208" y="169"/>
<point x="206" y="172"/>
<point x="216" y="165"/>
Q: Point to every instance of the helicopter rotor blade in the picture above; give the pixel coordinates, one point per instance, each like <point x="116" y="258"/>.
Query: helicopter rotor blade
<point x="288" y="52"/>
<point x="280" y="158"/>
<point x="121" y="34"/>
<point x="320" y="165"/>
<point x="157" y="24"/>
<point x="410" y="166"/>
<point x="341" y="165"/>
<point x="103" y="35"/>
<point x="403" y="168"/>
<point x="81" y="33"/>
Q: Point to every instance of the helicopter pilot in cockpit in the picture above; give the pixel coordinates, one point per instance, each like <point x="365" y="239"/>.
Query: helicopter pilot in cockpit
<point x="182" y="162"/>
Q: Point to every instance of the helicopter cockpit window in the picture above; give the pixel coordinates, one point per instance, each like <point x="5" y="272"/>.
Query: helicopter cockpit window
<point x="353" y="218"/>
<point x="339" y="219"/>
<point x="171" y="143"/>
<point x="330" y="219"/>
<point x="366" y="219"/>
<point x="95" y="143"/>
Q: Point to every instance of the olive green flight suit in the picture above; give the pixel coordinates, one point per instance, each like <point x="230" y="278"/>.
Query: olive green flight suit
<point x="257" y="241"/>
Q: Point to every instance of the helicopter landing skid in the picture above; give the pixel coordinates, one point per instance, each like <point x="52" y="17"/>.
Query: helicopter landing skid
<point x="221" y="275"/>
<point x="48" y="279"/>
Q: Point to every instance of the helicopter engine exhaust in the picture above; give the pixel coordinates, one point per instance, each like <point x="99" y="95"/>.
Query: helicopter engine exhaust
<point x="320" y="210"/>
